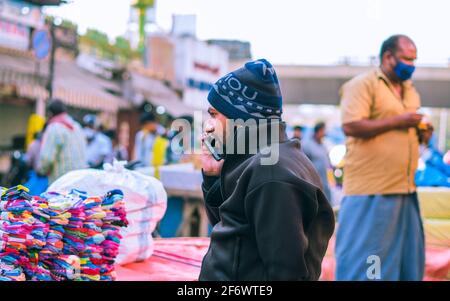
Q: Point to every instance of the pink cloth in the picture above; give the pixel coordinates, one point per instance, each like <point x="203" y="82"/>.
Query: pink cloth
<point x="173" y="259"/>
<point x="179" y="259"/>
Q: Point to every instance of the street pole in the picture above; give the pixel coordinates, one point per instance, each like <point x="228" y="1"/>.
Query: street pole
<point x="51" y="71"/>
<point x="142" y="6"/>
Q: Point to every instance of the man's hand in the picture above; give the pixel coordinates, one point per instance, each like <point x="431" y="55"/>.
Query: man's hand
<point x="210" y="166"/>
<point x="408" y="120"/>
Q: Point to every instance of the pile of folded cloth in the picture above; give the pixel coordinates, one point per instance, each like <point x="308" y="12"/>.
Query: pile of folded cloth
<point x="59" y="236"/>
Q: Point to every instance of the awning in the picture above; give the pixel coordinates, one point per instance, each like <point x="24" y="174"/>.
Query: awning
<point x="74" y="86"/>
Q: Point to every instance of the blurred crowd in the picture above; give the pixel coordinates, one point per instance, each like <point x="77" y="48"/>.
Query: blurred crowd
<point x="64" y="145"/>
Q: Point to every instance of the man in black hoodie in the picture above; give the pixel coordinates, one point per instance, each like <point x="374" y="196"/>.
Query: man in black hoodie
<point x="271" y="218"/>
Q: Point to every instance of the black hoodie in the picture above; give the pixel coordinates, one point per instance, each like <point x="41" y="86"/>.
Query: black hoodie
<point x="271" y="222"/>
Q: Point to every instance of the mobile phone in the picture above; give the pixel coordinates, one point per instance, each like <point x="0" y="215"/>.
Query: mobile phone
<point x="210" y="143"/>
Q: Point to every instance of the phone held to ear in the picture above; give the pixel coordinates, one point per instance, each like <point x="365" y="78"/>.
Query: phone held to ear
<point x="210" y="143"/>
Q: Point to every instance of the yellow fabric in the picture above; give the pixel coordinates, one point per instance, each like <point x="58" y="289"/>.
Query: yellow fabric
<point x="159" y="153"/>
<point x="35" y="125"/>
<point x="437" y="232"/>
<point x="434" y="202"/>
<point x="384" y="164"/>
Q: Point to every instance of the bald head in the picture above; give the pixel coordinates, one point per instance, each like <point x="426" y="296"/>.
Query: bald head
<point x="396" y="43"/>
<point x="397" y="49"/>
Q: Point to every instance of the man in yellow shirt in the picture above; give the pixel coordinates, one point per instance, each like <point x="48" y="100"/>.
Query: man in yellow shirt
<point x="380" y="233"/>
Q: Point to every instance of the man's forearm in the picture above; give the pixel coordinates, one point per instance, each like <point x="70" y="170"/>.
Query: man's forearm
<point x="369" y="128"/>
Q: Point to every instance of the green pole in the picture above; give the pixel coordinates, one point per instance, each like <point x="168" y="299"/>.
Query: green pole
<point x="142" y="22"/>
<point x="142" y="6"/>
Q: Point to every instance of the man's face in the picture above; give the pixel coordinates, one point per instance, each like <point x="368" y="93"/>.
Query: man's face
<point x="406" y="53"/>
<point x="320" y="134"/>
<point x="297" y="133"/>
<point x="216" y="124"/>
<point x="427" y="134"/>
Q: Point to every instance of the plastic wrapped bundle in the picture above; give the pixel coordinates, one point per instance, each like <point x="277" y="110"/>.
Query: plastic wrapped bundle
<point x="145" y="203"/>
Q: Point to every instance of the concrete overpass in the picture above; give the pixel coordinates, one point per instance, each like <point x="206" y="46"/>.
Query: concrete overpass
<point x="320" y="84"/>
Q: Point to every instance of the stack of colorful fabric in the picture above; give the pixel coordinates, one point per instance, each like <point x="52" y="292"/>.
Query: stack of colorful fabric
<point x="16" y="226"/>
<point x="54" y="219"/>
<point x="10" y="269"/>
<point x="59" y="237"/>
<point x="90" y="256"/>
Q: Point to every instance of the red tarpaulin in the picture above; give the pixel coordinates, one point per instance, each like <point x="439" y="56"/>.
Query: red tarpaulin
<point x="179" y="259"/>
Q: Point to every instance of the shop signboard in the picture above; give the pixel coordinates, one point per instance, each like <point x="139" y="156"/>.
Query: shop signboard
<point x="198" y="66"/>
<point x="14" y="35"/>
<point x="41" y="44"/>
<point x="20" y="12"/>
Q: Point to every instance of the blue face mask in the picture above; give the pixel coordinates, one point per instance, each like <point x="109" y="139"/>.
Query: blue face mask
<point x="404" y="71"/>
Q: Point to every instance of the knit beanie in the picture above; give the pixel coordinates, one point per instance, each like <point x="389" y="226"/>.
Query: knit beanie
<point x="251" y="92"/>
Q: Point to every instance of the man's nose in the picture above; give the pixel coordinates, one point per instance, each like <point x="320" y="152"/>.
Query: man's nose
<point x="209" y="127"/>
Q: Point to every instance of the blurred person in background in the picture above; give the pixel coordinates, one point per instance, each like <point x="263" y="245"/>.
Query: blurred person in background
<point x="36" y="183"/>
<point x="316" y="151"/>
<point x="99" y="146"/>
<point x="63" y="144"/>
<point x="120" y="152"/>
<point x="150" y="148"/>
<point x="176" y="151"/>
<point x="145" y="139"/>
<point x="32" y="154"/>
<point x="432" y="170"/>
<point x="447" y="157"/>
<point x="298" y="132"/>
<point x="379" y="216"/>
<point x="425" y="132"/>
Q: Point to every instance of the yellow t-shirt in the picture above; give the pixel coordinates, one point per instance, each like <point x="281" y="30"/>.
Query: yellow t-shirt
<point x="159" y="154"/>
<point x="386" y="163"/>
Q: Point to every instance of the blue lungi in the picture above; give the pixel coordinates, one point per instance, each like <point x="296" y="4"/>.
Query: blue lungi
<point x="387" y="226"/>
